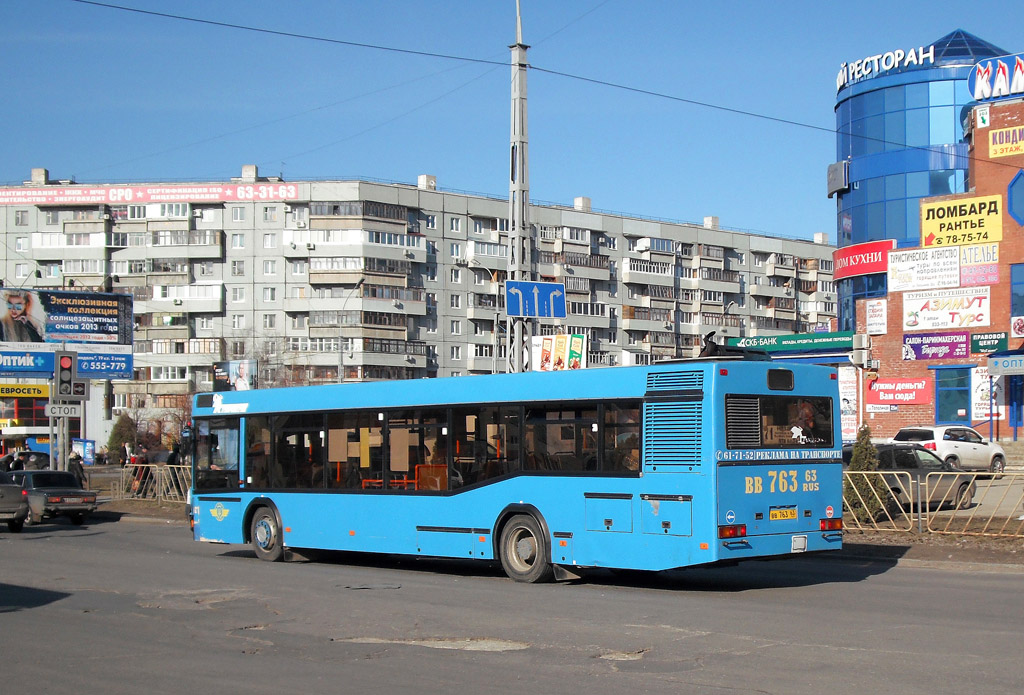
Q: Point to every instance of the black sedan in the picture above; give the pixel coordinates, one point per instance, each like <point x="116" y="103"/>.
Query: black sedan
<point x="55" y="493"/>
<point x="13" y="503"/>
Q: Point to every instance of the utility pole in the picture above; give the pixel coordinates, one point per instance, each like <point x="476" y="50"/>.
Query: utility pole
<point x="520" y="236"/>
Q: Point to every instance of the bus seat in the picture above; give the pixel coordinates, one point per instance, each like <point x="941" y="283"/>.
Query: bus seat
<point x="431" y="476"/>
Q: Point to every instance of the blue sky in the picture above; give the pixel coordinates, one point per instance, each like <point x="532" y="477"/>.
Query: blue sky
<point x="104" y="95"/>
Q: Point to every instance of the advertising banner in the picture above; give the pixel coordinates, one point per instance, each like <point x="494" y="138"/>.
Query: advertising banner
<point x="862" y="259"/>
<point x="966" y="307"/>
<point x="923" y="269"/>
<point x="936" y="346"/>
<point x="997" y="78"/>
<point x="848" y="402"/>
<point x="962" y="221"/>
<point x="61" y="316"/>
<point x="979" y="265"/>
<point x="898" y="391"/>
<point x="983" y="343"/>
<point x="140" y="195"/>
<point x="1005" y="142"/>
<point x="236" y="375"/>
<point x="987" y="398"/>
<point x="558" y="352"/>
<point x="797" y="343"/>
<point x="876" y="316"/>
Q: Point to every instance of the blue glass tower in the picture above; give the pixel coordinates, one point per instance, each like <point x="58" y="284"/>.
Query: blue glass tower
<point x="899" y="138"/>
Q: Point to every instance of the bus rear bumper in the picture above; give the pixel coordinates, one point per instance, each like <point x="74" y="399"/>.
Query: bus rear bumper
<point x="781" y="544"/>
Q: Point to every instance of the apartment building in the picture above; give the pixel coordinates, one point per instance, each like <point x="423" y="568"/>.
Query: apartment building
<point x="388" y="281"/>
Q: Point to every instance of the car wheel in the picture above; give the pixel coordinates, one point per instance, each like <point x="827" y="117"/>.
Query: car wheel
<point x="998" y="465"/>
<point x="266" y="535"/>
<point x="963" y="497"/>
<point x="523" y="550"/>
<point x="15" y="526"/>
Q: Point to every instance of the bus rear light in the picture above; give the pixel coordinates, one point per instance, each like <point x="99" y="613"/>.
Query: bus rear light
<point x="723" y="372"/>
<point x="831" y="524"/>
<point x="733" y="531"/>
<point x="833" y="376"/>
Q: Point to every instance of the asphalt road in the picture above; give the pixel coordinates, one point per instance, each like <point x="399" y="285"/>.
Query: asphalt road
<point x="131" y="606"/>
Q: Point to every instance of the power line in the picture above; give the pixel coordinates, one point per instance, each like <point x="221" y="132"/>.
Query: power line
<point x="571" y="76"/>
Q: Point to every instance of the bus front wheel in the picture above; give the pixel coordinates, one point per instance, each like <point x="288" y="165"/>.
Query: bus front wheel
<point x="265" y="534"/>
<point x="523" y="550"/>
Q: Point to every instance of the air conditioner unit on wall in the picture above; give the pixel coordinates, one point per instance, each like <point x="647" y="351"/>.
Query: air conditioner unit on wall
<point x="300" y="225"/>
<point x="287" y="208"/>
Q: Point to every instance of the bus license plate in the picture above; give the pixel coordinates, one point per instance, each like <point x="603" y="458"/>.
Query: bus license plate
<point x="782" y="514"/>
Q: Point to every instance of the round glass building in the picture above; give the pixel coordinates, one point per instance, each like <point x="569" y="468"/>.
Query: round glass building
<point x="899" y="138"/>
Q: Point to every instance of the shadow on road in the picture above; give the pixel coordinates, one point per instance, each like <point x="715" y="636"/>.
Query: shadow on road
<point x="790" y="571"/>
<point x="16" y="598"/>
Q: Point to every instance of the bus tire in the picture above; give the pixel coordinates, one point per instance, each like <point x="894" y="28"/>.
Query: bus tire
<point x="265" y="533"/>
<point x="524" y="550"/>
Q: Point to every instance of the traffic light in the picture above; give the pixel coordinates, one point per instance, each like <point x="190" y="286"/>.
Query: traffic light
<point x="64" y="373"/>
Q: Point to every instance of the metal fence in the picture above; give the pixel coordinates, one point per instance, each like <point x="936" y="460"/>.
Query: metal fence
<point x="967" y="504"/>
<point x="153" y="481"/>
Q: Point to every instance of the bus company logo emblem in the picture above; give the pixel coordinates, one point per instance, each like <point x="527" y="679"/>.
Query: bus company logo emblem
<point x="829" y="512"/>
<point x="219" y="406"/>
<point x="730" y="516"/>
<point x="219" y="512"/>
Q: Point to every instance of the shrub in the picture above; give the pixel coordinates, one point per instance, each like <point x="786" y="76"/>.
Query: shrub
<point x="865" y="495"/>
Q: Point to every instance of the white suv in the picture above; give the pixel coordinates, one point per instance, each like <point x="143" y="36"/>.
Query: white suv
<point x="962" y="446"/>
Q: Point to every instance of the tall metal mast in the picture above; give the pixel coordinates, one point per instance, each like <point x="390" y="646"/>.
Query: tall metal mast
<point x="520" y="237"/>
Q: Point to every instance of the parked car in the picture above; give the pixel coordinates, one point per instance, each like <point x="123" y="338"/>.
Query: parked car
<point x="13" y="502"/>
<point x="957" y="491"/>
<point x="956" y="444"/>
<point x="55" y="493"/>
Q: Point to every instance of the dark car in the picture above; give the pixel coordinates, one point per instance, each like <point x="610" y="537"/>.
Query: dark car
<point x="955" y="488"/>
<point x="55" y="493"/>
<point x="13" y="502"/>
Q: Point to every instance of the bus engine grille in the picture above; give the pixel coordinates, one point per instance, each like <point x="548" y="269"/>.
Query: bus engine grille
<point x="742" y="422"/>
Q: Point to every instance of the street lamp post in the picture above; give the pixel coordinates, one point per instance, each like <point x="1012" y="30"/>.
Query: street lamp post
<point x="341" y="326"/>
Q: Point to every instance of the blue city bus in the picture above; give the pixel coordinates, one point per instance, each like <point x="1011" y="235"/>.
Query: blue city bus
<point x="676" y="464"/>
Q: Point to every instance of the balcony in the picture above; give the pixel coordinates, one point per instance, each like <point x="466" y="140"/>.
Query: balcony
<point x="643" y="272"/>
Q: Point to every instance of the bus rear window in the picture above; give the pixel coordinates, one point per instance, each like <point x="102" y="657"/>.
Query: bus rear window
<point x="778" y="422"/>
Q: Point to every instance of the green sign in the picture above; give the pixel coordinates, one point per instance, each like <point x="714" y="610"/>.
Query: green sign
<point x="982" y="343"/>
<point x="800" y="342"/>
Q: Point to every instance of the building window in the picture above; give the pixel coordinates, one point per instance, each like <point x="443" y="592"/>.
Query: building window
<point x="456" y="251"/>
<point x="269" y="321"/>
<point x="456" y="301"/>
<point x="173" y="209"/>
<point x="237" y="294"/>
<point x="456" y="352"/>
<point x="21" y="244"/>
<point x="456" y="327"/>
<point x="953" y="395"/>
<point x="21" y="218"/>
<point x="237" y="214"/>
<point x="205" y="268"/>
<point x="238" y="321"/>
<point x="237" y="268"/>
<point x="270" y="240"/>
<point x="270" y="213"/>
<point x="430" y="221"/>
<point x="204" y="323"/>
<point x="300" y="267"/>
<point x="270" y="267"/>
<point x="456" y="275"/>
<point x="269" y="294"/>
<point x="52" y="217"/>
<point x="238" y="241"/>
<point x="238" y="346"/>
<point x="455" y="224"/>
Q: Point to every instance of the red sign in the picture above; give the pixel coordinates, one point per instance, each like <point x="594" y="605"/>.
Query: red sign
<point x="862" y="259"/>
<point x="899" y="391"/>
<point x="140" y="195"/>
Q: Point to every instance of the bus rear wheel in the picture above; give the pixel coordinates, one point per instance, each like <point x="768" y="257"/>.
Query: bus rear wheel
<point x="523" y="550"/>
<point x="265" y="534"/>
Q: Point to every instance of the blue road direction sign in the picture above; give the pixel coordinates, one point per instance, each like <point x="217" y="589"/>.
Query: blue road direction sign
<point x="543" y="300"/>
